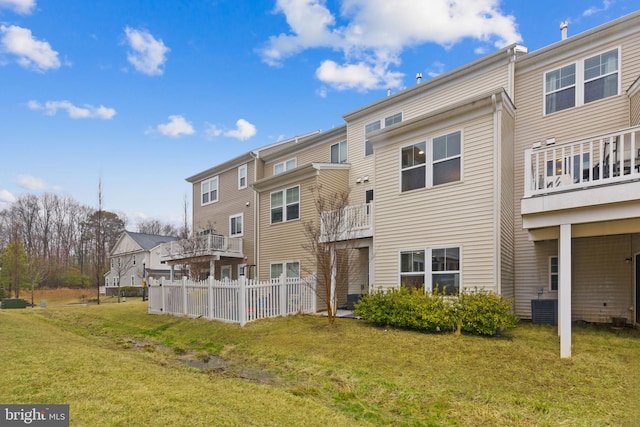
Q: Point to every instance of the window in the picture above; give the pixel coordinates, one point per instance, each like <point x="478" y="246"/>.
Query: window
<point x="339" y="152"/>
<point x="601" y="76"/>
<point x="242" y="177"/>
<point x="582" y="82"/>
<point x="242" y="269"/>
<point x="418" y="171"/>
<point x="412" y="269"/>
<point x="553" y="273"/>
<point x="209" y="191"/>
<point x="133" y="280"/>
<point x="368" y="147"/>
<point x="444" y="270"/>
<point x="134" y="260"/>
<point x="392" y="120"/>
<point x="285" y="205"/>
<point x="284" y="166"/>
<point x="235" y="225"/>
<point x="291" y="269"/>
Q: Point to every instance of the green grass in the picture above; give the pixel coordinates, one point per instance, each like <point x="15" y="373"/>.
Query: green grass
<point x="116" y="365"/>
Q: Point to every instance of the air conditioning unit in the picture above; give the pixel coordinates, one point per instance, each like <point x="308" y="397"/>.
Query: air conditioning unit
<point x="544" y="311"/>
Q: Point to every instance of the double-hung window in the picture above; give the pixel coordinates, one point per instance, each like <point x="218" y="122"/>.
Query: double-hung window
<point x="433" y="162"/>
<point x="582" y="82"/>
<point x="235" y="225"/>
<point x="368" y="146"/>
<point x="285" y="205"/>
<point x="284" y="166"/>
<point x="290" y="268"/>
<point x="553" y="273"/>
<point x="242" y="177"/>
<point x="442" y="274"/>
<point x="412" y="269"/>
<point x="339" y="152"/>
<point x="209" y="191"/>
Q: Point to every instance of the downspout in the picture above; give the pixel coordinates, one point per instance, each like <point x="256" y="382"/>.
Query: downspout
<point x="497" y="205"/>
<point x="256" y="220"/>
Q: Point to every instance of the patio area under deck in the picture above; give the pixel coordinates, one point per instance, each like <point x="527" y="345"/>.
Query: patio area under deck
<point x="581" y="189"/>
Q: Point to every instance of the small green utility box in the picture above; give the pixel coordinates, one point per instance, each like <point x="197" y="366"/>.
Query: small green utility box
<point x="13" y="303"/>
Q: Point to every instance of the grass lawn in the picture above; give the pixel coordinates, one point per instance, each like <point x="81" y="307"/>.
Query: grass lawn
<point x="116" y="365"/>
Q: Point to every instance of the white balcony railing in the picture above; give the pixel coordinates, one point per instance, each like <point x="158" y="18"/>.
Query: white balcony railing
<point x="351" y="222"/>
<point x="606" y="159"/>
<point x="211" y="244"/>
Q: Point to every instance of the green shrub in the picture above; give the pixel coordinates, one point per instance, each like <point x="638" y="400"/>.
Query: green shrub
<point x="477" y="312"/>
<point x="130" y="291"/>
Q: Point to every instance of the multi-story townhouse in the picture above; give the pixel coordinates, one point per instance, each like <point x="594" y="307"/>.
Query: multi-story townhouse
<point x="517" y="173"/>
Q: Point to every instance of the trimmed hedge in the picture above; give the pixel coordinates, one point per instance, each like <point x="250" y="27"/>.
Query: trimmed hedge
<point x="477" y="312"/>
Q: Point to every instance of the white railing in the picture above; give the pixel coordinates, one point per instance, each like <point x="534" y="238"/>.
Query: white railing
<point x="610" y="158"/>
<point x="200" y="246"/>
<point x="238" y="301"/>
<point x="347" y="223"/>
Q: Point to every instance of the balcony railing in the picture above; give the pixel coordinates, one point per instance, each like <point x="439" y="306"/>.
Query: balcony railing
<point x="606" y="159"/>
<point x="211" y="244"/>
<point x="351" y="222"/>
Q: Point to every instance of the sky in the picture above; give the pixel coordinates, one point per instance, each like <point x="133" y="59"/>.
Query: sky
<point x="139" y="94"/>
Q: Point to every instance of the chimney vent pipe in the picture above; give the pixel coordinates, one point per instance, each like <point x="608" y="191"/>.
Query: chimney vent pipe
<point x="563" y="29"/>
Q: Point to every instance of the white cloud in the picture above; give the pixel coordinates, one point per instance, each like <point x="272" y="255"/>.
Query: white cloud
<point x="606" y="4"/>
<point x="212" y="131"/>
<point x="376" y="32"/>
<point x="31" y="182"/>
<point x="6" y="198"/>
<point x="176" y="127"/>
<point x="244" y="130"/>
<point x="32" y="54"/>
<point x="148" y="54"/>
<point x="22" y="7"/>
<point x="85" y="112"/>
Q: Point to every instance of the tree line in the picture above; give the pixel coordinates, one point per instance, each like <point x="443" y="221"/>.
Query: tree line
<point x="53" y="241"/>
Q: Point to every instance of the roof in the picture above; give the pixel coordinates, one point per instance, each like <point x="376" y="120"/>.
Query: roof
<point x="149" y="241"/>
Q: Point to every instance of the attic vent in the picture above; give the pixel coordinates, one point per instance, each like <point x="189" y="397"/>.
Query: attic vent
<point x="544" y="311"/>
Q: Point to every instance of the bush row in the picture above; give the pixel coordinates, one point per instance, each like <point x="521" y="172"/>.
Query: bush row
<point x="477" y="312"/>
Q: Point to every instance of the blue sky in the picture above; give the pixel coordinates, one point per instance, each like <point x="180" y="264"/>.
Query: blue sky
<point x="142" y="94"/>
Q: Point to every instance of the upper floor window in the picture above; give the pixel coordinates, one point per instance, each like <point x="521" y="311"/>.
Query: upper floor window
<point x="392" y="120"/>
<point x="285" y="205"/>
<point x="242" y="177"/>
<point x="339" y="152"/>
<point x="368" y="146"/>
<point x="284" y="166"/>
<point x="582" y="82"/>
<point x="443" y="165"/>
<point x="134" y="260"/>
<point x="209" y="190"/>
<point x="235" y="225"/>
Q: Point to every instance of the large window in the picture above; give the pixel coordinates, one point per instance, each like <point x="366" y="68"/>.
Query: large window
<point x="443" y="165"/>
<point x="209" y="190"/>
<point x="339" y="152"/>
<point x="235" y="225"/>
<point x="553" y="273"/>
<point x="582" y="82"/>
<point x="443" y="273"/>
<point x="285" y="205"/>
<point x="368" y="146"/>
<point x="284" y="166"/>
<point x="291" y="269"/>
<point x="242" y="177"/>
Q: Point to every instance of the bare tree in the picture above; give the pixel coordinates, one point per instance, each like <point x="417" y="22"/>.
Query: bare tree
<point x="329" y="244"/>
<point x="154" y="226"/>
<point x="120" y="264"/>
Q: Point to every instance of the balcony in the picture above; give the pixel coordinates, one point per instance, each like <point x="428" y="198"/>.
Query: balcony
<point x="596" y="173"/>
<point x="202" y="246"/>
<point x="351" y="222"/>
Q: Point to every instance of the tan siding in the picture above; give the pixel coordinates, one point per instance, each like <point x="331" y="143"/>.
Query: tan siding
<point x="506" y="245"/>
<point x="320" y="153"/>
<point x="634" y="102"/>
<point x="454" y="214"/>
<point x="585" y="121"/>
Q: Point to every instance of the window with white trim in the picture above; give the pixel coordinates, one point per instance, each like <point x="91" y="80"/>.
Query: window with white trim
<point x="392" y="120"/>
<point x="290" y="268"/>
<point x="285" y="205"/>
<point x="553" y="273"/>
<point x="443" y="165"/>
<point x="235" y="225"/>
<point x="339" y="152"/>
<point x="443" y="273"/>
<point x="209" y="191"/>
<point x="581" y="82"/>
<point x="284" y="166"/>
<point x="368" y="146"/>
<point x="133" y="280"/>
<point x="242" y="177"/>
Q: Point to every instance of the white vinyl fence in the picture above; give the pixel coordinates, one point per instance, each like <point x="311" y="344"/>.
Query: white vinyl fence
<point x="238" y="301"/>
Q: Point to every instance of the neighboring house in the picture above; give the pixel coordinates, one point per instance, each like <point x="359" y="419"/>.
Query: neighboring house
<point x="134" y="257"/>
<point x="517" y="173"/>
